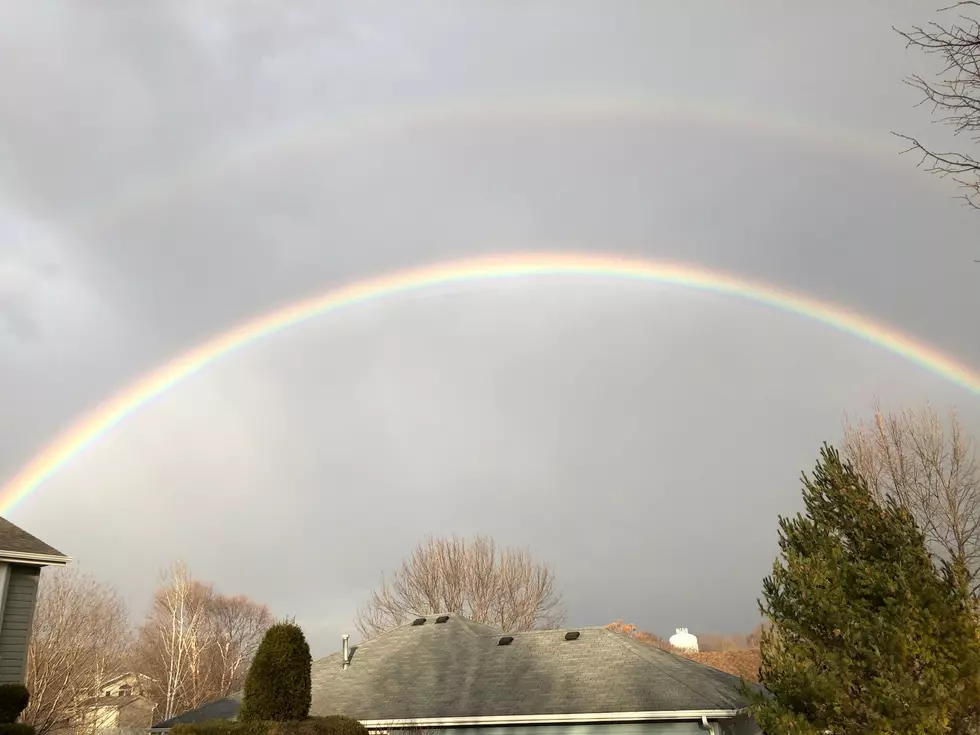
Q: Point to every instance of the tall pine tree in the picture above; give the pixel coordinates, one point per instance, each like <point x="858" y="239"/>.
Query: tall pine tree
<point x="869" y="636"/>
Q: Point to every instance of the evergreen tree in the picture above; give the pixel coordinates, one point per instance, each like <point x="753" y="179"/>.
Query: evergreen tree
<point x="277" y="687"/>
<point x="869" y="637"/>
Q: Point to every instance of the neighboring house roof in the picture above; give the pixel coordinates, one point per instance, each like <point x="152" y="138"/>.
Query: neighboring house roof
<point x="222" y="709"/>
<point x="121" y="677"/>
<point x="18" y="545"/>
<point x="448" y="673"/>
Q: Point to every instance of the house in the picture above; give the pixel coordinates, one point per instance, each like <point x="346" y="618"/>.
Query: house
<point x="124" y="684"/>
<point x="21" y="558"/>
<point x="127" y="714"/>
<point x="120" y="708"/>
<point x="448" y="673"/>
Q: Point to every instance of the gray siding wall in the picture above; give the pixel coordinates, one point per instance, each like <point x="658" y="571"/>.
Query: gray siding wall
<point x="18" y="614"/>
<point x="617" y="728"/>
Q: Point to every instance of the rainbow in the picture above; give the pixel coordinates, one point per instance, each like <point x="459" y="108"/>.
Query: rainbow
<point x="319" y="134"/>
<point x="107" y="415"/>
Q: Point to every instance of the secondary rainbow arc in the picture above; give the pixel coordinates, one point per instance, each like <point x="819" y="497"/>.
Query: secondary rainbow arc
<point x="93" y="425"/>
<point x="306" y="136"/>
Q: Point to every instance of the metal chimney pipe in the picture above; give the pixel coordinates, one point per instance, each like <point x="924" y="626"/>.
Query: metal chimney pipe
<point x="346" y="650"/>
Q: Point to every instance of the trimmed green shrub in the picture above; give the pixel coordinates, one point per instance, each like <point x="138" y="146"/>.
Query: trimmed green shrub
<point x="340" y="725"/>
<point x="332" y="725"/>
<point x="220" y="727"/>
<point x="15" y="728"/>
<point x="13" y="701"/>
<point x="277" y="687"/>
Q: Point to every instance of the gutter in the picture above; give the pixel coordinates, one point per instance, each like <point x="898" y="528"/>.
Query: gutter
<point x="580" y="718"/>
<point x="20" y="557"/>
<point x="583" y="718"/>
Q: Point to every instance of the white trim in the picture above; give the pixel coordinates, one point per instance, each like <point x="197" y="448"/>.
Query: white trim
<point x="4" y="582"/>
<point x="580" y="718"/>
<point x="584" y="718"/>
<point x="20" y="557"/>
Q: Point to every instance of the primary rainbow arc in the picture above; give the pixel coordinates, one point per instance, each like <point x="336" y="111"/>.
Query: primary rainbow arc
<point x="104" y="417"/>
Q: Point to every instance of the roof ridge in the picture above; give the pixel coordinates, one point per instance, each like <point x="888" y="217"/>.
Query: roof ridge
<point x="468" y="624"/>
<point x="638" y="649"/>
<point x="539" y="631"/>
<point x="465" y="621"/>
<point x="363" y="643"/>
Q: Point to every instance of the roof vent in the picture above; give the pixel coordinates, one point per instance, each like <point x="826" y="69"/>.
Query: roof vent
<point x="572" y="635"/>
<point x="418" y="621"/>
<point x="442" y="618"/>
<point x="506" y="640"/>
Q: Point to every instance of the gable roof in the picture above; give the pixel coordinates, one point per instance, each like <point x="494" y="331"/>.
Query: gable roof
<point x="457" y="669"/>
<point x="122" y="676"/>
<point x="222" y="709"/>
<point x="18" y="545"/>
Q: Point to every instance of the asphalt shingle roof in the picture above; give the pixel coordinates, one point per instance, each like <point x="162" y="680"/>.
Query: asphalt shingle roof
<point x="15" y="539"/>
<point x="222" y="709"/>
<point x="457" y="669"/>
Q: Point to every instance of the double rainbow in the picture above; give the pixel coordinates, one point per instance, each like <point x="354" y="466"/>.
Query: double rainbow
<point x="107" y="415"/>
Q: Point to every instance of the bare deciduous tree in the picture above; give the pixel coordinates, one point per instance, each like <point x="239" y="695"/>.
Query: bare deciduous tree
<point x="754" y="639"/>
<point x="955" y="95"/>
<point x="80" y="637"/>
<point x="930" y="467"/>
<point x="196" y="645"/>
<point x="236" y="626"/>
<point x="505" y="588"/>
<point x="707" y="642"/>
<point x="632" y="631"/>
<point x="711" y="642"/>
<point x="168" y="640"/>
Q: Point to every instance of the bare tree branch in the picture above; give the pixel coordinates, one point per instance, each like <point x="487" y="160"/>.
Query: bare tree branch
<point x="195" y="645"/>
<point x="930" y="467"/>
<point x="80" y="637"/>
<point x="505" y="588"/>
<point x="628" y="629"/>
<point x="954" y="96"/>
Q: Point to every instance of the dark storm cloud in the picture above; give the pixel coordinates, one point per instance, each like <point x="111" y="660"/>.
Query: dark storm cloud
<point x="641" y="438"/>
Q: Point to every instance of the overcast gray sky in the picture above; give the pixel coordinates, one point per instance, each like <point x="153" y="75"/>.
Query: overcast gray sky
<point x="154" y="191"/>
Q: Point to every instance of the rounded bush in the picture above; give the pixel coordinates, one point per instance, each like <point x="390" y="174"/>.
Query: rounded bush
<point x="278" y="687"/>
<point x="13" y="701"/>
<point x="16" y="728"/>
<point x="340" y="725"/>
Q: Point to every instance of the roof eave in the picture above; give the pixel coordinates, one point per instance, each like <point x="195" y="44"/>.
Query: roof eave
<point x="578" y="718"/>
<point x="22" y="557"/>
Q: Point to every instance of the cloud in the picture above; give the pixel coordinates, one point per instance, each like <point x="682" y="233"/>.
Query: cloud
<point x="642" y="438"/>
<point x="42" y="296"/>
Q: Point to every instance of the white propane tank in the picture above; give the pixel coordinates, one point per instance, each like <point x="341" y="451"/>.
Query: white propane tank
<point x="684" y="641"/>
